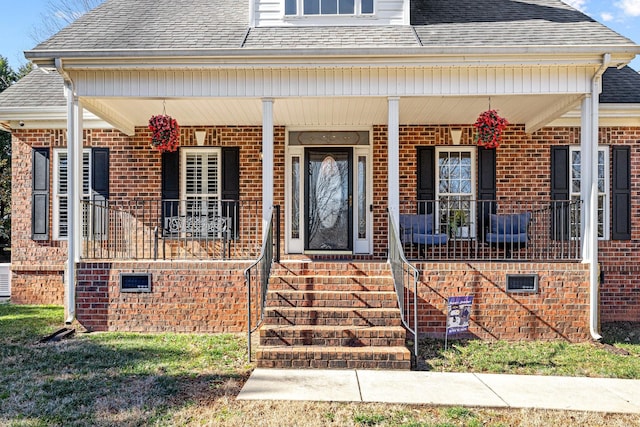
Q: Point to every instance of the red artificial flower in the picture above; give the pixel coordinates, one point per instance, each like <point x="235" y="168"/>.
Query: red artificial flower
<point x="489" y="127"/>
<point x="165" y="132"/>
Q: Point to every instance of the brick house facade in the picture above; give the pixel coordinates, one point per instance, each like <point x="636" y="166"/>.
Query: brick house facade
<point x="347" y="122"/>
<point x="183" y="290"/>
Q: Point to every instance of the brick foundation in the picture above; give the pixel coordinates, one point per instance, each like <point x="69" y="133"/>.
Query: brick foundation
<point x="559" y="310"/>
<point x="37" y="287"/>
<point x="185" y="297"/>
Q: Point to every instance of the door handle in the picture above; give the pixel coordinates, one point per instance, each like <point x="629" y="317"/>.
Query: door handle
<point x="370" y="208"/>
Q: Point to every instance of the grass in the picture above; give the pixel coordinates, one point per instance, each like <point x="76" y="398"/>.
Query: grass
<point x="527" y="358"/>
<point x="126" y="379"/>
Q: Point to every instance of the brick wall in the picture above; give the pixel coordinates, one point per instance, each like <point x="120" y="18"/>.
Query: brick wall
<point x="185" y="297"/>
<point x="558" y="311"/>
<point x="523" y="168"/>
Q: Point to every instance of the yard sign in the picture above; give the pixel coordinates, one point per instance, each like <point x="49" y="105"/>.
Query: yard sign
<point x="458" y="313"/>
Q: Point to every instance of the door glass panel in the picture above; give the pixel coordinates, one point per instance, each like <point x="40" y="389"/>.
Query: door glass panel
<point x="328" y="206"/>
<point x="295" y="197"/>
<point x="362" y="197"/>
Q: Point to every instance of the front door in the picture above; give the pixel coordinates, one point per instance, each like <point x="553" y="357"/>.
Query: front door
<point x="328" y="199"/>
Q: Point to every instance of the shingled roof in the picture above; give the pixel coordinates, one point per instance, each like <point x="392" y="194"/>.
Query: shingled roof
<point x="156" y="24"/>
<point x="507" y="23"/>
<point x="36" y="89"/>
<point x="186" y="25"/>
<point x="620" y="86"/>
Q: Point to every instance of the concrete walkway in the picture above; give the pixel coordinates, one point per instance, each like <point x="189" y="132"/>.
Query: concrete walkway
<point x="449" y="389"/>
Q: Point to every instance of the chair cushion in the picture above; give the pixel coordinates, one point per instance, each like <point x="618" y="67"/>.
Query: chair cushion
<point x="502" y="238"/>
<point x="509" y="223"/>
<point x="422" y="224"/>
<point x="430" y="239"/>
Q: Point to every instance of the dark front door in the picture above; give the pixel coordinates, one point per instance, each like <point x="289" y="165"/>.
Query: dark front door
<point x="328" y="189"/>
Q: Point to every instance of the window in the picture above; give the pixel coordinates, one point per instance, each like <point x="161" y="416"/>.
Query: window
<point x="201" y="191"/>
<point x="603" y="189"/>
<point x="95" y="189"/>
<point x="455" y="186"/>
<point x="200" y="187"/>
<point x="328" y="7"/>
<point x="61" y="191"/>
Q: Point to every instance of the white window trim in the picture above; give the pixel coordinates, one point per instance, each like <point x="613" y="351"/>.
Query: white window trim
<point x="183" y="175"/>
<point x="606" y="217"/>
<point x="300" y="11"/>
<point x="460" y="149"/>
<point x="56" y="188"/>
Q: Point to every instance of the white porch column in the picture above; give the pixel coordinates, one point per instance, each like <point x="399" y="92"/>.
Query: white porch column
<point x="586" y="176"/>
<point x="393" y="141"/>
<point x="267" y="160"/>
<point x="74" y="185"/>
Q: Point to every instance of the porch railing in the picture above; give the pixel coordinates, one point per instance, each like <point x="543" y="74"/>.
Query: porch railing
<point x="405" y="279"/>
<point x="257" y="277"/>
<point x="459" y="229"/>
<point x="170" y="229"/>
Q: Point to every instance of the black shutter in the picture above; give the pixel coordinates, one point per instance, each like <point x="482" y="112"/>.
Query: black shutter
<point x="99" y="190"/>
<point x="621" y="193"/>
<point x="426" y="191"/>
<point x="40" y="194"/>
<point x="487" y="192"/>
<point x="560" y="192"/>
<point x="231" y="186"/>
<point x="170" y="185"/>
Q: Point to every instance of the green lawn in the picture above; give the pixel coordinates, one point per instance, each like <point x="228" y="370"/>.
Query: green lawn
<point x="125" y="379"/>
<point x="620" y="360"/>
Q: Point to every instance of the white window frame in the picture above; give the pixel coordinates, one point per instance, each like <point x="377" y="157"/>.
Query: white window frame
<point x="472" y="195"/>
<point x="300" y="9"/>
<point x="605" y="196"/>
<point x="216" y="195"/>
<point x="58" y="196"/>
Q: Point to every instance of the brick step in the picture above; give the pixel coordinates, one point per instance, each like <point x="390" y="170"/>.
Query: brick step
<point x="346" y="336"/>
<point x="297" y="268"/>
<point x="334" y="357"/>
<point x="332" y="283"/>
<point x="361" y="299"/>
<point x="332" y="316"/>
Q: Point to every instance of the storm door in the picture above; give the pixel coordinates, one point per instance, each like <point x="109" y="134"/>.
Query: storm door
<point x="328" y="199"/>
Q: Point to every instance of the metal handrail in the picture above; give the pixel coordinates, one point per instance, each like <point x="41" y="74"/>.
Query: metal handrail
<point x="261" y="269"/>
<point x="403" y="272"/>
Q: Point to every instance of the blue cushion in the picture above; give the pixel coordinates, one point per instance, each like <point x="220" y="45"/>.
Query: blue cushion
<point x="422" y="224"/>
<point x="518" y="238"/>
<point x="430" y="239"/>
<point x="509" y="223"/>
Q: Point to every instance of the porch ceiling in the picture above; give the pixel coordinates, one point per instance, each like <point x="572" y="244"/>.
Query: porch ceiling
<point x="532" y="110"/>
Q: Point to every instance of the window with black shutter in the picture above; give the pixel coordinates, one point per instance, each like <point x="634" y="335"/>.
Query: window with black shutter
<point x="201" y="185"/>
<point x="95" y="192"/>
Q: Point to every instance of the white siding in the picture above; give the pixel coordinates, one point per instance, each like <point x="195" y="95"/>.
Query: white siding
<point x="360" y="81"/>
<point x="270" y="13"/>
<point x="5" y="280"/>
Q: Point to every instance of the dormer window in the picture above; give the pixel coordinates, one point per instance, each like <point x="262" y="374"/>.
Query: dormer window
<point x="327" y="7"/>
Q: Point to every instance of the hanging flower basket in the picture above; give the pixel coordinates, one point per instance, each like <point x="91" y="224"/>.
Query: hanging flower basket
<point x="165" y="132"/>
<point x="489" y="127"/>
